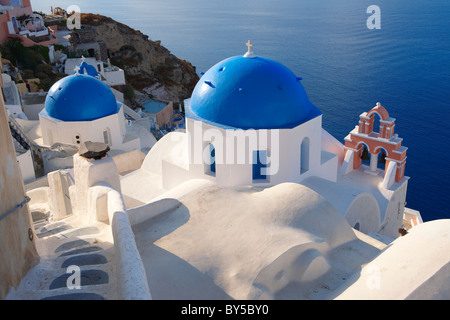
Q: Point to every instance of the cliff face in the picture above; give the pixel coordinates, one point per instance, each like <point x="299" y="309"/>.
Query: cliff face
<point x="149" y="66"/>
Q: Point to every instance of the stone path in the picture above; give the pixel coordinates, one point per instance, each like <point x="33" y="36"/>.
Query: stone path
<point x="77" y="263"/>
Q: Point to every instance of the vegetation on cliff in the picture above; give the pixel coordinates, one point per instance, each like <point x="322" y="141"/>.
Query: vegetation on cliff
<point x="34" y="62"/>
<point x="149" y="67"/>
<point x="146" y="62"/>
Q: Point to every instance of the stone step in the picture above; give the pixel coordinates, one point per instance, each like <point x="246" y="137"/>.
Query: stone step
<point x="40" y="218"/>
<point x="91" y="277"/>
<point x="76" y="296"/>
<point x="85" y="260"/>
<point x="65" y="230"/>
<point x="43" y="278"/>
<point x="65" y="247"/>
<point x="92" y="255"/>
<point x="97" y="292"/>
<point x="53" y="231"/>
<point x="71" y="246"/>
<point x="83" y="250"/>
<point x="46" y="226"/>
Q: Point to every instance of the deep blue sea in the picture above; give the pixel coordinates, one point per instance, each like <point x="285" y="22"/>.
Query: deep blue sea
<point x="346" y="67"/>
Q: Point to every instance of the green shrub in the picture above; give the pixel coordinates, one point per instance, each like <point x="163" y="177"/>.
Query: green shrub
<point x="42" y="51"/>
<point x="28" y="74"/>
<point x="42" y="75"/>
<point x="129" y="92"/>
<point x="45" y="84"/>
<point x="44" y="68"/>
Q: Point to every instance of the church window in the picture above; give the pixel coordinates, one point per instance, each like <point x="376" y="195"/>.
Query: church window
<point x="212" y="152"/>
<point x="304" y="156"/>
<point x="107" y="136"/>
<point x="210" y="159"/>
<point x="259" y="164"/>
<point x="77" y="138"/>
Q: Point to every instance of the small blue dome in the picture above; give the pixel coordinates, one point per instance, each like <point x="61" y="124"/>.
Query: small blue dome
<point x="88" y="69"/>
<point x="250" y="93"/>
<point x="80" y="98"/>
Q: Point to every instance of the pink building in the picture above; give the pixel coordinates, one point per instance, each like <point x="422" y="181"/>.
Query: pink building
<point x="18" y="20"/>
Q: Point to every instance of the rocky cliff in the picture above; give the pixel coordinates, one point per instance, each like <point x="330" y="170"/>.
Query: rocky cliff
<point x="149" y="67"/>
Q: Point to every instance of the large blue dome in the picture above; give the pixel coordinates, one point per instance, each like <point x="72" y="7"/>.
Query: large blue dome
<point x="80" y="98"/>
<point x="250" y="93"/>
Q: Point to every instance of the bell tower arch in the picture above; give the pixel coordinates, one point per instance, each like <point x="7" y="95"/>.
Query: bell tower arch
<point x="383" y="145"/>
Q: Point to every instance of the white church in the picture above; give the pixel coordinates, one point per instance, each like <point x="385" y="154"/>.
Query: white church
<point x="254" y="200"/>
<point x="249" y="122"/>
<point x="254" y="116"/>
<point x="81" y="108"/>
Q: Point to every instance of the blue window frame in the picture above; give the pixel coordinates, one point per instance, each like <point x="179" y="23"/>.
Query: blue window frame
<point x="304" y="156"/>
<point x="259" y="162"/>
<point x="212" y="158"/>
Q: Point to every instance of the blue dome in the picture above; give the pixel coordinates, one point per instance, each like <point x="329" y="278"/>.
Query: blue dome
<point x="80" y="98"/>
<point x="250" y="93"/>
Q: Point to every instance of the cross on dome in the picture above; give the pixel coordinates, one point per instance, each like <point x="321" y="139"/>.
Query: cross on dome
<point x="249" y="53"/>
<point x="77" y="69"/>
<point x="249" y="45"/>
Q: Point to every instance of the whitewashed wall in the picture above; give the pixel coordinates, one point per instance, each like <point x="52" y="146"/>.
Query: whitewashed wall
<point x="284" y="153"/>
<point x="54" y="131"/>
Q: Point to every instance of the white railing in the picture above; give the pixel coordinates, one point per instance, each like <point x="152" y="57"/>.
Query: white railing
<point x="132" y="277"/>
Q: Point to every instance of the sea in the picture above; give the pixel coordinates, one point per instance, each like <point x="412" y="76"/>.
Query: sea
<point x="351" y="54"/>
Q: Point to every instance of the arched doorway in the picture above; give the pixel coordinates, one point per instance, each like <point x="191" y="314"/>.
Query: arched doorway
<point x="365" y="155"/>
<point x="381" y="162"/>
